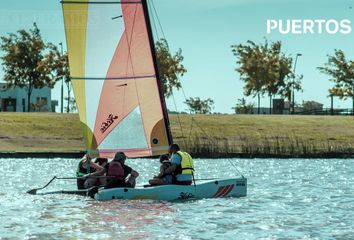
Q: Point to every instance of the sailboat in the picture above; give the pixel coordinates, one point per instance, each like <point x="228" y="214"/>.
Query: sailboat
<point x="116" y="83"/>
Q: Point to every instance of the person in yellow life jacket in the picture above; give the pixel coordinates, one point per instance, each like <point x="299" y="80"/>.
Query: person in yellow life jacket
<point x="182" y="166"/>
<point x="86" y="166"/>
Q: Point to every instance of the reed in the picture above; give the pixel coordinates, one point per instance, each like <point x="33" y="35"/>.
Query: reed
<point x="287" y="146"/>
<point x="265" y="136"/>
<point x="202" y="135"/>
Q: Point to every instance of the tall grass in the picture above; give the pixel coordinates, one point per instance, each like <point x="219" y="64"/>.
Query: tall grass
<point x="202" y="135"/>
<point x="266" y="136"/>
<point x="284" y="146"/>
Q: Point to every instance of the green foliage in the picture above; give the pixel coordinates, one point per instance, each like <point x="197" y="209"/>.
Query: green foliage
<point x="242" y="107"/>
<point x="265" y="69"/>
<point x="28" y="62"/>
<point x="198" y="106"/>
<point x="170" y="67"/>
<point x="62" y="71"/>
<point x="341" y="72"/>
<point x="71" y="104"/>
<point x="308" y="106"/>
<point x="39" y="106"/>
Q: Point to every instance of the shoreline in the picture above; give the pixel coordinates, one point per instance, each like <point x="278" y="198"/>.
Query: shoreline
<point x="53" y="135"/>
<point x="67" y="155"/>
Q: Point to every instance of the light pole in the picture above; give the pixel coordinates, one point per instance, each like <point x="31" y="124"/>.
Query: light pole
<point x="62" y="86"/>
<point x="293" y="95"/>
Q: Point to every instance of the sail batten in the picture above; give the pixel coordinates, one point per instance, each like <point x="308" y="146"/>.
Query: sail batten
<point x="112" y="151"/>
<point x="114" y="78"/>
<point x="98" y="2"/>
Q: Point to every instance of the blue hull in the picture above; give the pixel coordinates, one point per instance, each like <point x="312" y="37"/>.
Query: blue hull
<point x="235" y="187"/>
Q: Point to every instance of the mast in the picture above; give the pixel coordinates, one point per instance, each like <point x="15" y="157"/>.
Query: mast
<point x="153" y="51"/>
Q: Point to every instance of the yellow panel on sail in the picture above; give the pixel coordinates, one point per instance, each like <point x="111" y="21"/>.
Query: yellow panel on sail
<point x="75" y="20"/>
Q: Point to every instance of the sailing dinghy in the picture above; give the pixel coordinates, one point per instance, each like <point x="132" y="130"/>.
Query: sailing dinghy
<point x="117" y="89"/>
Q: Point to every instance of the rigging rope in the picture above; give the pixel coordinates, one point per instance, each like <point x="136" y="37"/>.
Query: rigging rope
<point x="185" y="97"/>
<point x="153" y="20"/>
<point x="164" y="36"/>
<point x="193" y="119"/>
<point x="158" y="19"/>
<point x="179" y="120"/>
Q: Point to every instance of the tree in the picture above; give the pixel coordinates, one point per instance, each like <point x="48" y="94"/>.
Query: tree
<point x="242" y="107"/>
<point x="62" y="71"/>
<point x="170" y="67"/>
<point x="251" y="61"/>
<point x="39" y="106"/>
<point x="28" y="61"/>
<point x="309" y="106"/>
<point x="67" y="80"/>
<point x="342" y="72"/>
<point x="198" y="106"/>
<point x="265" y="69"/>
<point x="71" y="104"/>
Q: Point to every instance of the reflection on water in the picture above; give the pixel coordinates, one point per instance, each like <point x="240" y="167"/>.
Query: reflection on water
<point x="130" y="219"/>
<point x="310" y="199"/>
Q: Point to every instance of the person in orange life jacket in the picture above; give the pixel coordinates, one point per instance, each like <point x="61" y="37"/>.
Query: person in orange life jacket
<point x="87" y="166"/>
<point x="162" y="178"/>
<point x="182" y="166"/>
<point x="123" y="175"/>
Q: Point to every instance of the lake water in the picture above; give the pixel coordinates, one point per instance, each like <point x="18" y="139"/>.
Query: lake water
<point x="287" y="199"/>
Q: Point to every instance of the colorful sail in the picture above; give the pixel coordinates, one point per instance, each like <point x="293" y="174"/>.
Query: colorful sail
<point x="114" y="77"/>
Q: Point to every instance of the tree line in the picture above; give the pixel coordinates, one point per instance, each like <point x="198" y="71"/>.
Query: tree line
<point x="265" y="69"/>
<point x="28" y="62"/>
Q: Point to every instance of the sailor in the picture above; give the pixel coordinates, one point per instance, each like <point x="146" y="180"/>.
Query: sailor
<point x="86" y="166"/>
<point x="162" y="178"/>
<point x="101" y="161"/>
<point x="182" y="166"/>
<point x="118" y="174"/>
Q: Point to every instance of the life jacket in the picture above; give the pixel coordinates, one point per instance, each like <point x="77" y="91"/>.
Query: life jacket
<point x="187" y="164"/>
<point x="81" y="171"/>
<point x="116" y="169"/>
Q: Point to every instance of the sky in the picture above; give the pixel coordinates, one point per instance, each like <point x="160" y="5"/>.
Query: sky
<point x="205" y="31"/>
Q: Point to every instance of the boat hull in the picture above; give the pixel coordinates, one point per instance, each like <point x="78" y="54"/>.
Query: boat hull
<point x="235" y="187"/>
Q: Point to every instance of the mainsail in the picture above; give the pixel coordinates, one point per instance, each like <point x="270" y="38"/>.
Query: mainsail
<point x="115" y="78"/>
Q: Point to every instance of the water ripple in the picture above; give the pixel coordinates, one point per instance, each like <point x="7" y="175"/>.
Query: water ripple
<point x="287" y="199"/>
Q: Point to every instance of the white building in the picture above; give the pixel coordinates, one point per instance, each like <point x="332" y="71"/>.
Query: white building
<point x="15" y="99"/>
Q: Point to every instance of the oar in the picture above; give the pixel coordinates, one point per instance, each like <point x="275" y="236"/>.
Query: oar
<point x="34" y="191"/>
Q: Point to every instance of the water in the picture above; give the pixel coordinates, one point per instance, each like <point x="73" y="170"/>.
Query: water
<point x="287" y="199"/>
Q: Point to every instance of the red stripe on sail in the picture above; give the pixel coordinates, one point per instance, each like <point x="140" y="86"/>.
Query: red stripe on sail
<point x="230" y="187"/>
